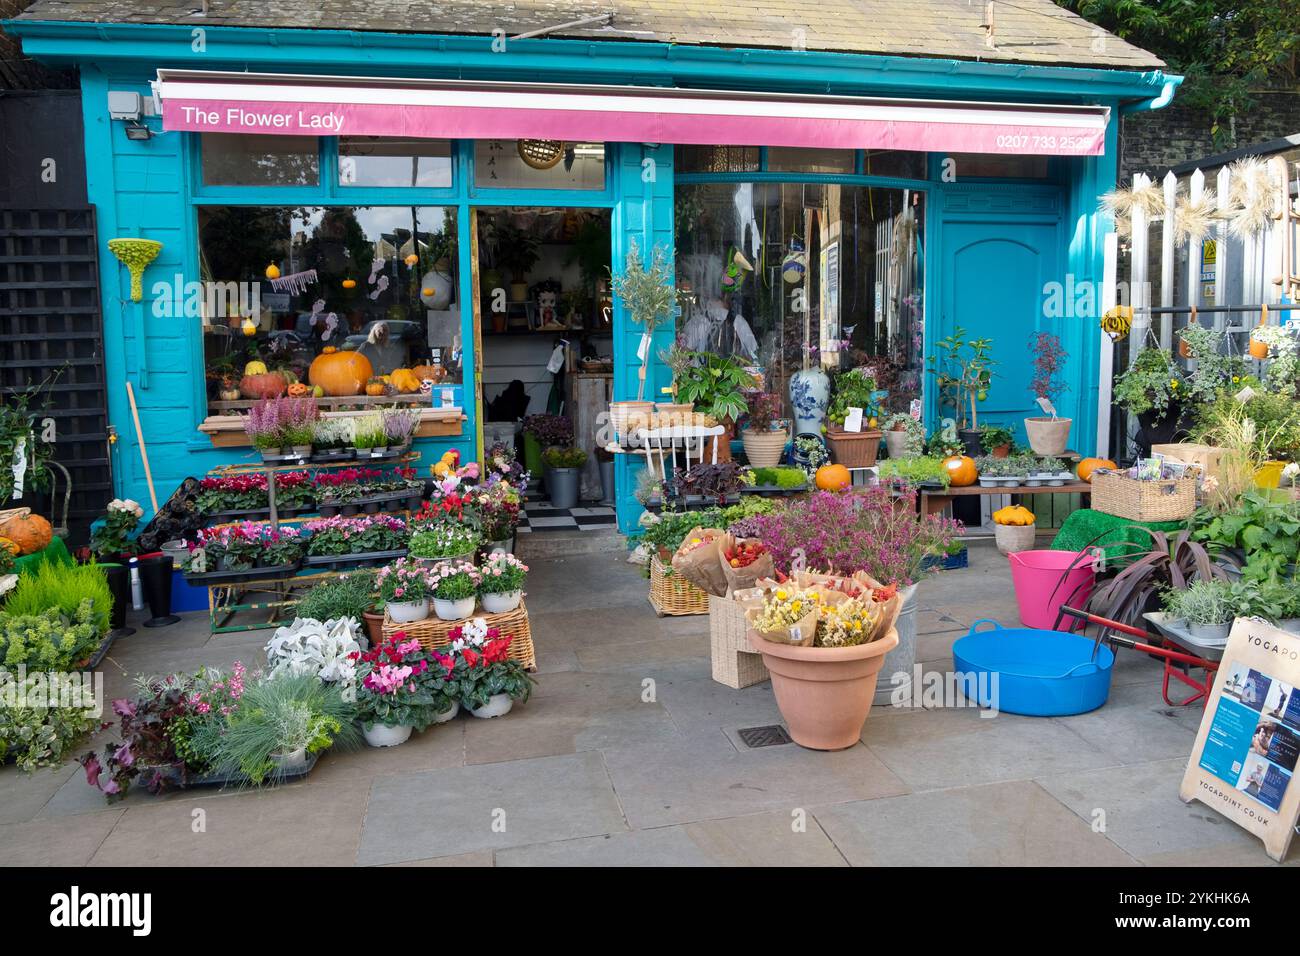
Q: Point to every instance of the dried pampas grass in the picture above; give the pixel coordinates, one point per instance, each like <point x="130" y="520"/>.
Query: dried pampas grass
<point x="1253" y="196"/>
<point x="1193" y="218"/>
<point x="1120" y="203"/>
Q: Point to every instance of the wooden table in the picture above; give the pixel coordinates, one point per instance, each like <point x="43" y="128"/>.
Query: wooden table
<point x="933" y="502"/>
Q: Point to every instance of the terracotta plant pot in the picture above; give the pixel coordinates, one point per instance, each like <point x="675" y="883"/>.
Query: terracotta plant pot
<point x="824" y="693"/>
<point x="1048" y="436"/>
<point x="374" y="627"/>
<point x="1258" y="349"/>
<point x="764" y="449"/>
<point x="1002" y="451"/>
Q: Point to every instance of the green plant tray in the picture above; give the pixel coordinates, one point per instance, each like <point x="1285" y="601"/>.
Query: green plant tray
<point x="362" y="560"/>
<point x="209" y="578"/>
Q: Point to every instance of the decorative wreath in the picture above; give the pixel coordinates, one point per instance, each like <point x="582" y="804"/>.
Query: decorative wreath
<point x="541" y="153"/>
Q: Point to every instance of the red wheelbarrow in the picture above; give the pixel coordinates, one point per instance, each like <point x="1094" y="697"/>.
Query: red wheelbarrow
<point x="1186" y="662"/>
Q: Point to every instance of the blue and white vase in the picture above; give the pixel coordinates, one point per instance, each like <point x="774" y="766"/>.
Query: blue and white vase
<point x="810" y="395"/>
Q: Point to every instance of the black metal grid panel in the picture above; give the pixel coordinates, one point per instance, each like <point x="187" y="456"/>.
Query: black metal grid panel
<point x="50" y="318"/>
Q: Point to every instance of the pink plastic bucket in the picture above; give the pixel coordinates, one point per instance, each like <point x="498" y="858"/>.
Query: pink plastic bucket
<point x="1036" y="576"/>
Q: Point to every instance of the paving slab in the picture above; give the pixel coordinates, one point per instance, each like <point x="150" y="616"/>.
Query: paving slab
<point x="23" y="795"/>
<point x="763" y="839"/>
<point x="568" y="713"/>
<point x="601" y="627"/>
<point x="308" y="824"/>
<point x="1143" y="814"/>
<point x="417" y="816"/>
<point x="703" y="777"/>
<point x="436" y="748"/>
<point x="701" y="702"/>
<point x="954" y="747"/>
<point x="55" y="842"/>
<point x="1003" y="824"/>
<point x="479" y="859"/>
<point x="1133" y="726"/>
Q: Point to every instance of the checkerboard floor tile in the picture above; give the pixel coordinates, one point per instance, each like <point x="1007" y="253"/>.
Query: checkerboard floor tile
<point x="540" y="516"/>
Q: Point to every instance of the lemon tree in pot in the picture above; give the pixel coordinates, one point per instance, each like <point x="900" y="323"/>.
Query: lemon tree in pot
<point x="963" y="370"/>
<point x="1047" y="435"/>
<point x="764" y="434"/>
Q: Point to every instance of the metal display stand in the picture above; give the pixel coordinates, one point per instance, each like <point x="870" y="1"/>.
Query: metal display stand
<point x="226" y="600"/>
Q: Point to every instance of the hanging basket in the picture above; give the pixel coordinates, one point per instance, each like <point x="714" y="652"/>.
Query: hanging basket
<point x="541" y="153"/>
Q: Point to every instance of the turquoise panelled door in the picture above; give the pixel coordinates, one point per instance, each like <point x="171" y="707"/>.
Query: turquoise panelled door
<point x="994" y="273"/>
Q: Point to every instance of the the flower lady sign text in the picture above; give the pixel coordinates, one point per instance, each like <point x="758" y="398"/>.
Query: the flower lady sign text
<point x="1243" y="763"/>
<point x="251" y="120"/>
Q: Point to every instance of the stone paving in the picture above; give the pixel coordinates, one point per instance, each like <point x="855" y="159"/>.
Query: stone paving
<point x="602" y="767"/>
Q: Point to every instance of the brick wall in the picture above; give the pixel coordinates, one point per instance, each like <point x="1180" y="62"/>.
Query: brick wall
<point x="1152" y="142"/>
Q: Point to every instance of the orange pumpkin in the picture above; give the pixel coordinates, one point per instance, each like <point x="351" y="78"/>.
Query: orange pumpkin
<point x="961" y="470"/>
<point x="375" y="387"/>
<point x="1089" y="465"/>
<point x="298" y="390"/>
<point x="435" y="373"/>
<point x="833" y="478"/>
<point x="267" y="385"/>
<point x="30" y="532"/>
<point x="340" y="373"/>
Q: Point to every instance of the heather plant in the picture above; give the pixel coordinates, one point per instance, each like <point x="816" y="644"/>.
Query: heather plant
<point x="869" y="529"/>
<point x="400" y="424"/>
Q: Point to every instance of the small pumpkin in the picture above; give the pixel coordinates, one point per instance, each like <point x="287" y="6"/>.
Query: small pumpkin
<point x="340" y="373"/>
<point x="435" y="373"/>
<point x="255" y="368"/>
<point x="349" y="283"/>
<point x="31" y="533"/>
<point x="1089" y="465"/>
<point x="273" y="271"/>
<point x="961" y="470"/>
<point x="268" y="385"/>
<point x="833" y="478"/>
<point x="375" y="387"/>
<point x="299" y="390"/>
<point x="405" y="380"/>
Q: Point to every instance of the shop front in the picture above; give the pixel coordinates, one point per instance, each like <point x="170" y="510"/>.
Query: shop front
<point x="384" y="222"/>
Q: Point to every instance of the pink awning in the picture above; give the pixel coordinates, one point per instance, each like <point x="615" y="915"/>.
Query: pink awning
<point x="444" y="109"/>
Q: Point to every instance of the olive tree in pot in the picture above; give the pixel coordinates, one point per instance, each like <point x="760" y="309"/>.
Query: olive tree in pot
<point x="564" y="469"/>
<point x="1047" y="435"/>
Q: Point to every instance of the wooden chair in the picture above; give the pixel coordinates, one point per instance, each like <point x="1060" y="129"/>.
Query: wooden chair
<point x="662" y="446"/>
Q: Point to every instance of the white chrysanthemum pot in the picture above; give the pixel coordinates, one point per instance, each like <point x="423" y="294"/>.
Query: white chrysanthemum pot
<point x="407" y="612"/>
<point x="453" y="610"/>
<point x="498" y="705"/>
<point x="502" y="601"/>
<point x="381" y="735"/>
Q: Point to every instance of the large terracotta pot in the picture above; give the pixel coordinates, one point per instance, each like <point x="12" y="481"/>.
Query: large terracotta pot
<point x="1048" y="436"/>
<point x="824" y="693"/>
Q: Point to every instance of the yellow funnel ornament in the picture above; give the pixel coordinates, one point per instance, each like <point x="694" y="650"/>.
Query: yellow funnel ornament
<point x="135" y="254"/>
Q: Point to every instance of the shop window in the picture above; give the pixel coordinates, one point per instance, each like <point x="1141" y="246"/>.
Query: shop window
<point x="538" y="164"/>
<point x="896" y="163"/>
<point x="235" y="159"/>
<point x="995" y="166"/>
<point x="792" y="275"/>
<point x="790" y="159"/>
<point x="717" y="159"/>
<point x="394" y="162"/>
<point x="377" y="280"/>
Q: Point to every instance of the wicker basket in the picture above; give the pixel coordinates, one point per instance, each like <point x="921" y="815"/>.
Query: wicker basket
<point x="1169" y="499"/>
<point x="734" y="662"/>
<point x="626" y="417"/>
<point x="433" y="632"/>
<point x="670" y="593"/>
<point x="855" y="449"/>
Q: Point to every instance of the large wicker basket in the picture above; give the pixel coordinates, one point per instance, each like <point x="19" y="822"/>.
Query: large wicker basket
<point x="1169" y="499"/>
<point x="433" y="632"/>
<point x="734" y="661"/>
<point x="670" y="593"/>
<point x="855" y="449"/>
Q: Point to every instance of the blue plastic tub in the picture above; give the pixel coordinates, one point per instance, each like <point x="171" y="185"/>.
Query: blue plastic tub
<point x="1039" y="673"/>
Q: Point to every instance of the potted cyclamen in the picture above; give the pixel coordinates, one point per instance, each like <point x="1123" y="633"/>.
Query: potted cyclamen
<point x="501" y="587"/>
<point x="453" y="588"/>
<point x="392" y="696"/>
<point x="492" y="681"/>
<point x="764" y="436"/>
<point x="404" y="588"/>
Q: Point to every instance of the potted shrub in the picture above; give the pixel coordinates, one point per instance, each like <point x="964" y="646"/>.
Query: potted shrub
<point x="764" y="435"/>
<point x="716" y="386"/>
<point x="1047" y="435"/>
<point x="443" y="543"/>
<point x="996" y="440"/>
<point x="392" y="700"/>
<point x="564" y="470"/>
<point x="649" y="297"/>
<point x="404" y="589"/>
<point x="1207" y="606"/>
<point x="501" y="584"/>
<point x="542" y="432"/>
<point x="453" y="588"/>
<point x="904" y="436"/>
<point x="824" y="691"/>
<point x="517" y="251"/>
<point x="963" y="369"/>
<point x="493" y="681"/>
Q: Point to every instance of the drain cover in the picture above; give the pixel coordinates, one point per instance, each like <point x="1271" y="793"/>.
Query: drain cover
<point x="773" y="735"/>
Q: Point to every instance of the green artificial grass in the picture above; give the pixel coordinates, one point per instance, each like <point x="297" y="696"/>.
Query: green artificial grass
<point x="1113" y="535"/>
